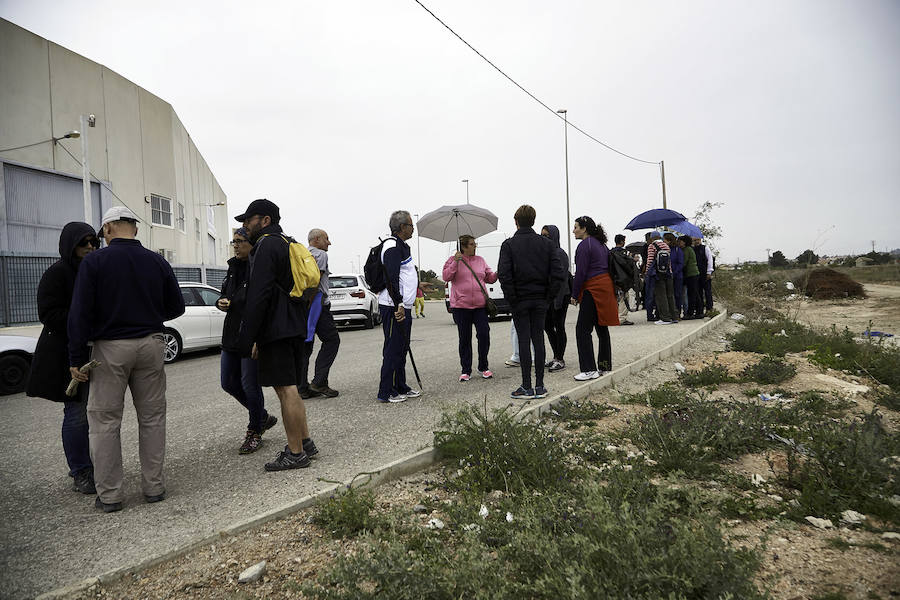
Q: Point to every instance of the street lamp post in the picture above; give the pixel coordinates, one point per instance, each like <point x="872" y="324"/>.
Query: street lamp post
<point x="466" y="181"/>
<point x="563" y="112"/>
<point x="86" y="121"/>
<point x="418" y="251"/>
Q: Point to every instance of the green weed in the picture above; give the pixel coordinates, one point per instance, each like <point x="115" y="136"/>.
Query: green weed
<point x="501" y="451"/>
<point x="347" y="513"/>
<point x="667" y="394"/>
<point x="708" y="377"/>
<point x="839" y="350"/>
<point x="764" y="336"/>
<point x="575" y="413"/>
<point x="769" y="370"/>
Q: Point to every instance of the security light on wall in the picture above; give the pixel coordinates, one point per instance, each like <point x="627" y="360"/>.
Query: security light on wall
<point x="92" y="121"/>
<point x="72" y="134"/>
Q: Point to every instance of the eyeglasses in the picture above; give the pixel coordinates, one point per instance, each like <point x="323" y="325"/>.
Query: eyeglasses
<point x="410" y="225"/>
<point x="238" y="242"/>
<point x="90" y="241"/>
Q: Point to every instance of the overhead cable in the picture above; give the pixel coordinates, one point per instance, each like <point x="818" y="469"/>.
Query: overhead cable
<point x="532" y="96"/>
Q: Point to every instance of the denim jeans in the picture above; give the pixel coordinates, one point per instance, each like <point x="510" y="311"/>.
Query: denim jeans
<point x="240" y="379"/>
<point x="75" y="439"/>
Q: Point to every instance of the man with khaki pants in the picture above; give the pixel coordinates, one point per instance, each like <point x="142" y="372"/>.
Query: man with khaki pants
<point x="122" y="296"/>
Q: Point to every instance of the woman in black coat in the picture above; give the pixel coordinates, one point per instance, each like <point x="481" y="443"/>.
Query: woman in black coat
<point x="50" y="366"/>
<point x="240" y="374"/>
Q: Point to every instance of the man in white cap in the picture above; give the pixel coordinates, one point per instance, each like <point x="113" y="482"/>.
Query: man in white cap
<point x="123" y="293"/>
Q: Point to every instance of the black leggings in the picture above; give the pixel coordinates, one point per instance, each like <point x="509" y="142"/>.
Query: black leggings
<point x="555" y="326"/>
<point x="587" y="322"/>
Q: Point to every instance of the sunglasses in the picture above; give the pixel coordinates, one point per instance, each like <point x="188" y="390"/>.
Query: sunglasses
<point x="239" y="242"/>
<point x="89" y="241"/>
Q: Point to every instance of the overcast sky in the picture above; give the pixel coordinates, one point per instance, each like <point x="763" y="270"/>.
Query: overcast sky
<point x="342" y="111"/>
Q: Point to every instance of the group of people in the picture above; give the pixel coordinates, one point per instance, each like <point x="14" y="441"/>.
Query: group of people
<point x="678" y="274"/>
<point x="534" y="274"/>
<point x="103" y="313"/>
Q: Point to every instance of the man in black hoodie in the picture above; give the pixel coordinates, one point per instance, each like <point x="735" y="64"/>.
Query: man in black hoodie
<point x="274" y="328"/>
<point x="530" y="273"/>
<point x="555" y="322"/>
<point x="49" y="376"/>
<point x="123" y="293"/>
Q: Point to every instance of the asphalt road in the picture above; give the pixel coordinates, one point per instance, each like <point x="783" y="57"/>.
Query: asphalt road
<point x="51" y="536"/>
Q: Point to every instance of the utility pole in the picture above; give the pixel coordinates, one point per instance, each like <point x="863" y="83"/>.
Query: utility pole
<point x="466" y="181"/>
<point x="565" y="115"/>
<point x="662" y="172"/>
<point x="769" y="253"/>
<point x="873" y="245"/>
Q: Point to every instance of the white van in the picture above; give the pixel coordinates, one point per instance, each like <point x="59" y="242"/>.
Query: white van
<point x="489" y="250"/>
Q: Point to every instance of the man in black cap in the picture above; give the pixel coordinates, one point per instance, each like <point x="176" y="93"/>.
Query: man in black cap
<point x="274" y="328"/>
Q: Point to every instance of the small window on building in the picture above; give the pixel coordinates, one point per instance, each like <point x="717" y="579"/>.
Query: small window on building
<point x="161" y="210"/>
<point x="179" y="218"/>
<point x="197" y="228"/>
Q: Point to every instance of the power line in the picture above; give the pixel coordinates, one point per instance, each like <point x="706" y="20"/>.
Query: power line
<point x="92" y="175"/>
<point x="27" y="145"/>
<point x="532" y="96"/>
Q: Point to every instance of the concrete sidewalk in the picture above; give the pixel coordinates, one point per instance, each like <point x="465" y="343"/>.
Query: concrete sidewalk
<point x="52" y="536"/>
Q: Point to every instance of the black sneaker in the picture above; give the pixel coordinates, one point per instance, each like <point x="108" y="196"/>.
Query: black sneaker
<point x="324" y="390"/>
<point x="556" y="365"/>
<point x="309" y="447"/>
<point x="271" y="421"/>
<point x="107" y="508"/>
<point x="522" y="394"/>
<point x="288" y="460"/>
<point x="83" y="482"/>
<point x="307" y="393"/>
<point x="540" y="391"/>
<point x="155" y="499"/>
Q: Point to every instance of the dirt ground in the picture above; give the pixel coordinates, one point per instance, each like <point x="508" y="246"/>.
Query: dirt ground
<point x="799" y="561"/>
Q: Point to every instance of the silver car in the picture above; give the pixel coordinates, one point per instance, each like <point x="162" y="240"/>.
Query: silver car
<point x="352" y="302"/>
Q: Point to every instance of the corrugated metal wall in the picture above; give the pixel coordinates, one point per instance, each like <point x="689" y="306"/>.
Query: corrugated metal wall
<point x="39" y="204"/>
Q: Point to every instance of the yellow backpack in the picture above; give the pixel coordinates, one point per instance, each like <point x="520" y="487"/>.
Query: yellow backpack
<point x="303" y="267"/>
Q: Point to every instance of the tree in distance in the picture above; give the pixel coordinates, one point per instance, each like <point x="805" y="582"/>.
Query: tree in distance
<point x="778" y="259"/>
<point x="808" y="257"/>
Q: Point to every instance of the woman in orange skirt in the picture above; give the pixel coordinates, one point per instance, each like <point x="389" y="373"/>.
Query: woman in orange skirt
<point x="593" y="291"/>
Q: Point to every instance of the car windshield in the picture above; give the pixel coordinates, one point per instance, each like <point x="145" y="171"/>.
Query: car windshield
<point x="343" y="282"/>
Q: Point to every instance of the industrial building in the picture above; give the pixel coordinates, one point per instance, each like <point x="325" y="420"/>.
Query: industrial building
<point x="138" y="154"/>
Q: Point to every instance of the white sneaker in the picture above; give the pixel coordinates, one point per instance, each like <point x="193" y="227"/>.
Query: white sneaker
<point x="511" y="363"/>
<point x="584" y="376"/>
<point x="661" y="322"/>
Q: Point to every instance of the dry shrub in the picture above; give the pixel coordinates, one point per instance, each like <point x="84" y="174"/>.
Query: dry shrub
<point x="824" y="284"/>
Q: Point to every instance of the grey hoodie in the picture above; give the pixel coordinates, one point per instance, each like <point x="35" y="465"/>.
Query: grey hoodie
<point x="565" y="291"/>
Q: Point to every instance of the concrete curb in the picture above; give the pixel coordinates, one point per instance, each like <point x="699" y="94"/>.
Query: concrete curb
<point x="394" y="470"/>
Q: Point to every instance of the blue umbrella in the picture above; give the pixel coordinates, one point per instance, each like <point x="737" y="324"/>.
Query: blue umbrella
<point x="656" y="217"/>
<point x="686" y="228"/>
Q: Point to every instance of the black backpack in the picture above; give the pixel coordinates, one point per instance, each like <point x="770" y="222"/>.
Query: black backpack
<point x="374" y="269"/>
<point x="663" y="262"/>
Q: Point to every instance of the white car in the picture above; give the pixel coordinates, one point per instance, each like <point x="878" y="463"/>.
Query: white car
<point x="201" y="324"/>
<point x="352" y="302"/>
<point x="15" y="362"/>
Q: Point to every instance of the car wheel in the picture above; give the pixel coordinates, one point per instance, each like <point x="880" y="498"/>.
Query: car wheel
<point x="173" y="346"/>
<point x="13" y="373"/>
<point x="370" y="320"/>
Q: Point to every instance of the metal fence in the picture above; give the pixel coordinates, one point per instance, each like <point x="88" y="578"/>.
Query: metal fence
<point x="20" y="276"/>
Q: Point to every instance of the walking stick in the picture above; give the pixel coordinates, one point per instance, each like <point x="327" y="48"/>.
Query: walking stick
<point x="413" y="361"/>
<point x="73" y="385"/>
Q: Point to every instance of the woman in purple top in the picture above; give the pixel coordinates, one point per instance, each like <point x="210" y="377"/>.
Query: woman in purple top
<point x="593" y="290"/>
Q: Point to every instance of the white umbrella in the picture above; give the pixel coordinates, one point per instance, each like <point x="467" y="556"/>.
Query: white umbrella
<point x="447" y="223"/>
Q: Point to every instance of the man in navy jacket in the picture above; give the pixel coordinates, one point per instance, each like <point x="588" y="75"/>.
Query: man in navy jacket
<point x="123" y="293"/>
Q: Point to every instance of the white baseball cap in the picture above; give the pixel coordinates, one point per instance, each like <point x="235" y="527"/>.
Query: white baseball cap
<point x="118" y="213"/>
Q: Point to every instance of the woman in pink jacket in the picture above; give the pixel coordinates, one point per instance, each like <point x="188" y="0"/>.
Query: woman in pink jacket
<point x="469" y="273"/>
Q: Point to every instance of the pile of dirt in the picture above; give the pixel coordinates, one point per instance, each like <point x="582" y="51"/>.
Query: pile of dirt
<point x="825" y="284"/>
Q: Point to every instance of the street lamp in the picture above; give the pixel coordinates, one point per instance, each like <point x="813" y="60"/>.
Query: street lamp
<point x="563" y="111"/>
<point x="466" y="181"/>
<point x="419" y="249"/>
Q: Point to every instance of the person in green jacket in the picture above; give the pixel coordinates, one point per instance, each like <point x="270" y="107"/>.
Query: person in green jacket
<point x="691" y="278"/>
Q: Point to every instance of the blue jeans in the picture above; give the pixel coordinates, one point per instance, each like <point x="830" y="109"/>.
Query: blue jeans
<point x="393" y="353"/>
<point x="678" y="285"/>
<point x="75" y="437"/>
<point x="240" y="378"/>
<point x="649" y="296"/>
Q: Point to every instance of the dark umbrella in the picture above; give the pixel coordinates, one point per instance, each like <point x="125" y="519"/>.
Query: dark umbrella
<point x="686" y="228"/>
<point x="635" y="246"/>
<point x="656" y="217"/>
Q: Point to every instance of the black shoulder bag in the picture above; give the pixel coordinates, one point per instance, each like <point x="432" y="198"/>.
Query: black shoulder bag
<point x="490" y="305"/>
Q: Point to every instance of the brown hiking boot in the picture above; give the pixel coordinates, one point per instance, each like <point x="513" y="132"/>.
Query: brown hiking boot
<point x="251" y="444"/>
